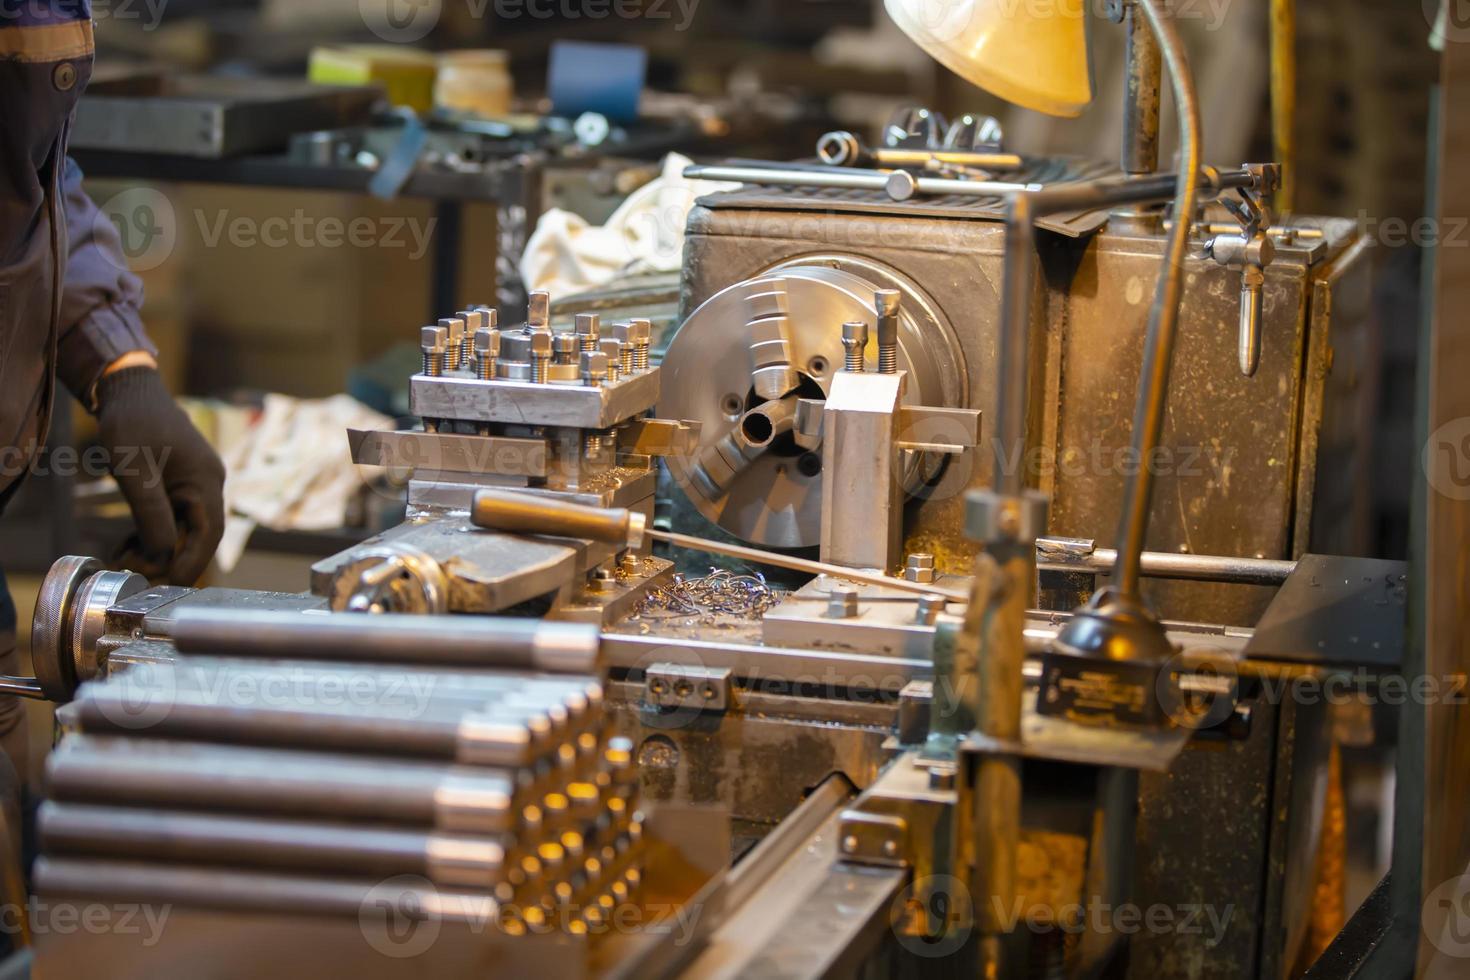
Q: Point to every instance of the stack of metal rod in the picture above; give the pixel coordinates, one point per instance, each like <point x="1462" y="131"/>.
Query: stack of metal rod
<point x="304" y="785"/>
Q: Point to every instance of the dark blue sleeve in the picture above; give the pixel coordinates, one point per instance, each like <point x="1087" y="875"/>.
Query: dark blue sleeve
<point x="101" y="299"/>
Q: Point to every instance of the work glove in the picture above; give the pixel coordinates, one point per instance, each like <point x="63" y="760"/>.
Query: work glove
<point x="171" y="478"/>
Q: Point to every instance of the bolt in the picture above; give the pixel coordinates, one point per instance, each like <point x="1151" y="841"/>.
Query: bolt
<point x="613" y="348"/>
<point x="432" y="342"/>
<point x="455" y="327"/>
<point x="540" y="355"/>
<point x="473" y="321"/>
<point x="538" y="310"/>
<point x="849" y="843"/>
<point x="623" y="334"/>
<point x="854" y="340"/>
<point x="594" y="367"/>
<point x="919" y="568"/>
<point x="890" y="848"/>
<point x="842" y="602"/>
<point x="563" y="348"/>
<point x="885" y="303"/>
<point x="642" y="334"/>
<point x="588" y="329"/>
<point x="487" y="349"/>
<point x="930" y="606"/>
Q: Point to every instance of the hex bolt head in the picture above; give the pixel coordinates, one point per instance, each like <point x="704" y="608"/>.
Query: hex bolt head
<point x="487" y="342"/>
<point x="842" y="602"/>
<point x="538" y="309"/>
<point x="919" y="568"/>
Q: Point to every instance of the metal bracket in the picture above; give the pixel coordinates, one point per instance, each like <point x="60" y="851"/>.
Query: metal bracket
<point x="873" y="838"/>
<point x="671" y="685"/>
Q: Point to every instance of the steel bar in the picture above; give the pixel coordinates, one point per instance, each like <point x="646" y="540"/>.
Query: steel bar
<point x="227" y="888"/>
<point x="1142" y="96"/>
<point x="1052" y="554"/>
<point x="862" y="180"/>
<point x="119" y="709"/>
<point x="521" y="513"/>
<point x="22" y="687"/>
<point x="457" y="641"/>
<point x="133" y="832"/>
<point x="195" y="775"/>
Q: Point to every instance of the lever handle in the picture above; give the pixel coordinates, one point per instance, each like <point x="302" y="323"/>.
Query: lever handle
<point x="1251" y="303"/>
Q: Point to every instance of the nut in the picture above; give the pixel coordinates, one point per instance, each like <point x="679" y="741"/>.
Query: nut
<point x="842" y="602"/>
<point x="919" y="568"/>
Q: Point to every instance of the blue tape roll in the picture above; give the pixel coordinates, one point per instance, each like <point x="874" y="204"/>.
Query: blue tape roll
<point x="601" y="78"/>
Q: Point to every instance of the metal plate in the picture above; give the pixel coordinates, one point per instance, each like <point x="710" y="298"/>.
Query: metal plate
<point x="1335" y="610"/>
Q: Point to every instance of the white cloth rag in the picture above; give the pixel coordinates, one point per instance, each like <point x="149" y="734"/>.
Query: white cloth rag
<point x="567" y="254"/>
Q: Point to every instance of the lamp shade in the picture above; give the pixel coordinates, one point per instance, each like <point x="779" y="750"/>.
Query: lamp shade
<point x="1029" y="52"/>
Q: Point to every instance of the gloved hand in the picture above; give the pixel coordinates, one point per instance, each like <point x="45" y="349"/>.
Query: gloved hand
<point x="169" y="475"/>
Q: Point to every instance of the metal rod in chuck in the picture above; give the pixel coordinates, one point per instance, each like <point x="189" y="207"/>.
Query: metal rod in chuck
<point x="525" y="513"/>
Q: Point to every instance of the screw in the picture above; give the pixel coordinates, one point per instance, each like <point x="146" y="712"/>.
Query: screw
<point x="930" y="606"/>
<point x="885" y="303"/>
<point x="538" y="310"/>
<point x="432" y="342"/>
<point x="487" y="349"/>
<point x="849" y="843"/>
<point x="890" y="848"/>
<point x="540" y="355"/>
<point x="642" y="333"/>
<point x="455" y="326"/>
<point x="594" y="367"/>
<point x="613" y="348"/>
<point x="588" y="329"/>
<point x="842" y="602"/>
<point x="919" y="568"/>
<point x="623" y="334"/>
<point x="854" y="340"/>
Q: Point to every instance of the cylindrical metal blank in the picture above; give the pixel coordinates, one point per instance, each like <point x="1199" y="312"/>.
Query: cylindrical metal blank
<point x="453" y="641"/>
<point x="73" y="828"/>
<point x="194" y="775"/>
<point x="523" y="513"/>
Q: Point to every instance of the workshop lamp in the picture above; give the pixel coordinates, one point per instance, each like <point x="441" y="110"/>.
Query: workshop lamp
<point x="1032" y="53"/>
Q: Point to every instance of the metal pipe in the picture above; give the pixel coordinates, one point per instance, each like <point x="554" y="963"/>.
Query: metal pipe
<point x="1015" y="345"/>
<point x="1053" y="554"/>
<point x="453" y="641"/>
<point x="1158" y="352"/>
<point x="525" y="513"/>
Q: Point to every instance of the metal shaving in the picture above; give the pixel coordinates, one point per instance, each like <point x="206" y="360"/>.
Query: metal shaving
<point x="720" y="593"/>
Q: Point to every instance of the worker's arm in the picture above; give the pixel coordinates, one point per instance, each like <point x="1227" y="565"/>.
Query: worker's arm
<point x="170" y="476"/>
<point x="101" y="301"/>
